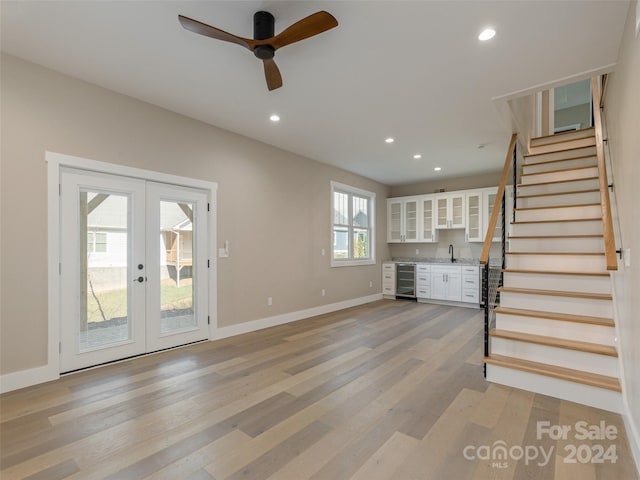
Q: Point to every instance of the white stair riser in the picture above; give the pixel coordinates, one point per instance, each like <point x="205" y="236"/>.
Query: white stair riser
<point x="562" y="213"/>
<point x="561" y="357"/>
<point x="593" y="227"/>
<point x="555" y="387"/>
<point x="554" y="200"/>
<point x="558" y="147"/>
<point x="581" y="332"/>
<point x="568" y="244"/>
<point x="559" y="176"/>
<point x="548" y="166"/>
<point x="553" y="281"/>
<point x="548" y="157"/>
<point x="536" y="142"/>
<point x="555" y="304"/>
<point x="561" y="187"/>
<point x="558" y="263"/>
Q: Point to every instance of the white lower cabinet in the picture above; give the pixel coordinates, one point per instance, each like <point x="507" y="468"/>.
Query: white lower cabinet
<point x="389" y="278"/>
<point x="423" y="280"/>
<point x="446" y="282"/>
<point x="436" y="281"/>
<point x="470" y="284"/>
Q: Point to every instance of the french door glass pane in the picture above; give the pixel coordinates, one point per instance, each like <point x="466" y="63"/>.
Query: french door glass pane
<point x="104" y="263"/>
<point x="177" y="267"/>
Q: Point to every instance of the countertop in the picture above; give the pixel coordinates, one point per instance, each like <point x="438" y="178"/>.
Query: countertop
<point x="446" y="261"/>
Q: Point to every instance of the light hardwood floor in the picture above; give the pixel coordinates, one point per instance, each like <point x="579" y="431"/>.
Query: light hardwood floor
<point x="389" y="390"/>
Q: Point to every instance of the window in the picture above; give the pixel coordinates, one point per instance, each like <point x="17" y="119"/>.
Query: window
<point x="96" y="242"/>
<point x="352" y="215"/>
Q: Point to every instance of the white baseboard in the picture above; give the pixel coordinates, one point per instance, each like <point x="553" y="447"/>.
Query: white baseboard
<point x="252" y="326"/>
<point x="26" y="378"/>
<point x="633" y="434"/>
<point x="46" y="373"/>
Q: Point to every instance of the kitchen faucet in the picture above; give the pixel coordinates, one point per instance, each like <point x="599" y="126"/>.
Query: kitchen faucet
<point x="451" y="252"/>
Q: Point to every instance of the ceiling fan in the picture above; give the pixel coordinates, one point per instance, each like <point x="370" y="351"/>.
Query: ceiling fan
<point x="264" y="44"/>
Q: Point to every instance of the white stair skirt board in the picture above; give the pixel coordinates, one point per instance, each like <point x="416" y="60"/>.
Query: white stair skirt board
<point x="557" y="263"/>
<point x="559" y="187"/>
<point x="554" y="387"/>
<point x="557" y="147"/>
<point x="547" y="157"/>
<point x="582" y="332"/>
<point x="566" y="136"/>
<point x="578" y="198"/>
<point x="557" y="244"/>
<point x="584" y="227"/>
<point x="558" y="281"/>
<point x="561" y="357"/>
<point x="559" y="175"/>
<point x="565" y="212"/>
<point x="579" y="162"/>
<point x="557" y="304"/>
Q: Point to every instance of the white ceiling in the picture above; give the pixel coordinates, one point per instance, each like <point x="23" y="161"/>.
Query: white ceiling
<point x="414" y="70"/>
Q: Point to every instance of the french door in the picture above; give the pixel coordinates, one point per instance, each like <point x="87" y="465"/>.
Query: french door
<point x="133" y="267"/>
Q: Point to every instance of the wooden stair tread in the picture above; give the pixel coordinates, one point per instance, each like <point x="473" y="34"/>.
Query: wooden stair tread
<point x="594" y="190"/>
<point x="557" y="181"/>
<point x="577" y="157"/>
<point x="599" y="219"/>
<point x="559" y="170"/>
<point x="529" y="155"/>
<point x="589" y="138"/>
<point x="551" y="272"/>
<point x="555" y="236"/>
<point x="563" y="133"/>
<point x="557" y="293"/>
<point x="573" y="205"/>
<point x="556" y="253"/>
<point x="576" y="345"/>
<point x="564" y="317"/>
<point x="562" y="373"/>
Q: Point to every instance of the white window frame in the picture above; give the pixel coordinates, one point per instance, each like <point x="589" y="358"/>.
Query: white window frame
<point x="371" y="196"/>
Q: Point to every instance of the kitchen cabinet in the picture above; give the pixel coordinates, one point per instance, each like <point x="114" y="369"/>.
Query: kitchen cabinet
<point x="423" y="280"/>
<point x="450" y="210"/>
<point x="403" y="219"/>
<point x="475" y="230"/>
<point x="471" y="284"/>
<point x="428" y="232"/>
<point x="446" y="282"/>
<point x="388" y="278"/>
<point x="489" y="200"/>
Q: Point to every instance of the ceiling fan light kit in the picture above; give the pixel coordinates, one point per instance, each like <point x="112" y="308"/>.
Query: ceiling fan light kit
<point x="264" y="43"/>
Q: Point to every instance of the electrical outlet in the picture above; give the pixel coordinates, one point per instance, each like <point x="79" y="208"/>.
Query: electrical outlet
<point x="269" y="301"/>
<point x="323" y="292"/>
<point x="417" y="251"/>
<point x="322" y="252"/>
<point x="627" y="257"/>
<point x="370" y="284"/>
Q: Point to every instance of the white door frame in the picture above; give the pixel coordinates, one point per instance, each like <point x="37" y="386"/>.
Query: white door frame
<point x="55" y="161"/>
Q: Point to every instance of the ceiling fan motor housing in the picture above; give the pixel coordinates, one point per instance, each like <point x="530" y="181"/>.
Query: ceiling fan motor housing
<point x="263" y="28"/>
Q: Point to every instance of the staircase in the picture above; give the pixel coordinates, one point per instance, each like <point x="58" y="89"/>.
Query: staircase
<point x="554" y="331"/>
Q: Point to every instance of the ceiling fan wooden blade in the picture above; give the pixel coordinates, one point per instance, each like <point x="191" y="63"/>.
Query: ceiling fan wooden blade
<point x="272" y="74"/>
<point x="208" y="31"/>
<point x="307" y="27"/>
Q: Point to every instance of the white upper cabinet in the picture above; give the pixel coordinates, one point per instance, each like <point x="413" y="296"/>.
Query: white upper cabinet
<point x="404" y="222"/>
<point x="450" y="210"/>
<point x="489" y="199"/>
<point x="474" y="229"/>
<point x="428" y="233"/>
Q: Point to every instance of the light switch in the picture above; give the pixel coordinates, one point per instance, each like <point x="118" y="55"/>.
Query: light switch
<point x="627" y="257"/>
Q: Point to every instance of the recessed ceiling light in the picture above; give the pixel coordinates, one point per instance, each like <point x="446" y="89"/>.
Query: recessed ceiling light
<point x="417" y="156"/>
<point x="437" y="169"/>
<point x="389" y="140"/>
<point x="487" y="34"/>
<point x="274" y="118"/>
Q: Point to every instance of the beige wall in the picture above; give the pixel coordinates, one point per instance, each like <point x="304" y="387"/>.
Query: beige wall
<point x="568" y="116"/>
<point x="273" y="205"/>
<point x="622" y="112"/>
